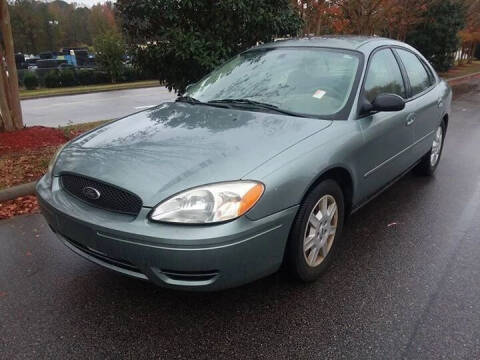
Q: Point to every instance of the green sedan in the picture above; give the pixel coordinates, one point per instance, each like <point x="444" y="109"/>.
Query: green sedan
<point x="256" y="165"/>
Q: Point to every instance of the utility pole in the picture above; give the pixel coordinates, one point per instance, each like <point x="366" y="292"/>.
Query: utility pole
<point x="10" y="110"/>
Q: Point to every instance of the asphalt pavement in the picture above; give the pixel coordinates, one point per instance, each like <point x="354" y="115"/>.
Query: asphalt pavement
<point x="406" y="286"/>
<point x="74" y="109"/>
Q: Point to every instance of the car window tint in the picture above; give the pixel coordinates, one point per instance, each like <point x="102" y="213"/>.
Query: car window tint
<point x="384" y="76"/>
<point x="418" y="75"/>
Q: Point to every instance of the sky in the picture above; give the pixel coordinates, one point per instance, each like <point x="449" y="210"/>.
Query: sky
<point x="86" y="2"/>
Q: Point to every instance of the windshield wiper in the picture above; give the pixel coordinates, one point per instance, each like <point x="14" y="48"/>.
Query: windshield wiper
<point x="193" y="101"/>
<point x="255" y="104"/>
<point x="188" y="99"/>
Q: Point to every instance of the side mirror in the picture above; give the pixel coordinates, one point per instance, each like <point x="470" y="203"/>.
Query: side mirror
<point x="384" y="102"/>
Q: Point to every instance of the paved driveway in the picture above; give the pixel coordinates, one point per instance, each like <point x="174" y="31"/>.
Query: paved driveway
<point x="73" y="109"/>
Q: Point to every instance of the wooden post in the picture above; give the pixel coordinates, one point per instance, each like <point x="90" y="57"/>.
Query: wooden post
<point x="10" y="80"/>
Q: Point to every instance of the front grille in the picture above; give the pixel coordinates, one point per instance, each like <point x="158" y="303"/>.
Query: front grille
<point x="110" y="198"/>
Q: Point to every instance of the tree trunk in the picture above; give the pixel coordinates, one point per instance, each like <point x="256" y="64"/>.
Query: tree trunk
<point x="10" y="80"/>
<point x="6" y="123"/>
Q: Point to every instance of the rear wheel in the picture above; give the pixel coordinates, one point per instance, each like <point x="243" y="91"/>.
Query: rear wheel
<point x="316" y="231"/>
<point x="430" y="161"/>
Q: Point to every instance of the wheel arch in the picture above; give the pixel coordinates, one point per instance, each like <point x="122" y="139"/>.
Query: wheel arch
<point x="445" y="120"/>
<point x="343" y="177"/>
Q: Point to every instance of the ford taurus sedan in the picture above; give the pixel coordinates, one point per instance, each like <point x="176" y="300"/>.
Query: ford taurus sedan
<point x="256" y="165"/>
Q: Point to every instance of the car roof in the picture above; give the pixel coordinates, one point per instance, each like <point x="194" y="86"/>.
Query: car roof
<point x="346" y="42"/>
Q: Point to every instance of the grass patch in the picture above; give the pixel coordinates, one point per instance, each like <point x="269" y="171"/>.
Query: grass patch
<point x="71" y="131"/>
<point x="462" y="70"/>
<point x="39" y="93"/>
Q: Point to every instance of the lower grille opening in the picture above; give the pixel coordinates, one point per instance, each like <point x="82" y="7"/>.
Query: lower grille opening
<point x="121" y="263"/>
<point x="190" y="275"/>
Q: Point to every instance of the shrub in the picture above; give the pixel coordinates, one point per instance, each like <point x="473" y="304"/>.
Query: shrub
<point x="30" y="81"/>
<point x="129" y="74"/>
<point x="67" y="78"/>
<point x="178" y="53"/>
<point x="437" y="35"/>
<point x="110" y="50"/>
<point x="102" y="77"/>
<point x="86" y="77"/>
<point x="52" y="79"/>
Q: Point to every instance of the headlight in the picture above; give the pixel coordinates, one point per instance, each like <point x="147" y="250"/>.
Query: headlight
<point x="54" y="159"/>
<point x="210" y="203"/>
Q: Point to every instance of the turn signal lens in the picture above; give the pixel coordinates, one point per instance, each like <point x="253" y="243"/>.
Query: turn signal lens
<point x="210" y="203"/>
<point x="250" y="199"/>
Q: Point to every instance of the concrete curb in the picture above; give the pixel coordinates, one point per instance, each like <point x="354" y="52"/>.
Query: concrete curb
<point x="86" y="92"/>
<point x="17" y="191"/>
<point x="463" y="77"/>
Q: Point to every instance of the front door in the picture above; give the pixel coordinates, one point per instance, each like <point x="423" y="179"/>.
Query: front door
<point x="388" y="136"/>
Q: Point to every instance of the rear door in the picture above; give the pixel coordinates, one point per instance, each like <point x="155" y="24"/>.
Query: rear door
<point x="386" y="151"/>
<point x="424" y="102"/>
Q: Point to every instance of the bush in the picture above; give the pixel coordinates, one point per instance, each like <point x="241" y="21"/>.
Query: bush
<point x="129" y="74"/>
<point x="477" y="52"/>
<point x="179" y="54"/>
<point x="21" y="74"/>
<point x="30" y="81"/>
<point x="52" y="80"/>
<point x="110" y="49"/>
<point x="102" y="77"/>
<point x="86" y="77"/>
<point x="67" y="78"/>
<point x="437" y="35"/>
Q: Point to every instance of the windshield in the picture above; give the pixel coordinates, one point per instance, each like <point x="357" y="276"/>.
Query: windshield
<point x="309" y="81"/>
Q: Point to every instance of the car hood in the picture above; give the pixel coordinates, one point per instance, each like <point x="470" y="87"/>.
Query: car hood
<point x="176" y="146"/>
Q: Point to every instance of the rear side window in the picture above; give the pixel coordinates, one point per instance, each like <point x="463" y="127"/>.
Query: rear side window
<point x="384" y="76"/>
<point x="418" y="75"/>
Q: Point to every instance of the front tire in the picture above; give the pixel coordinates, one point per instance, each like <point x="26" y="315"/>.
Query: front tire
<point x="316" y="232"/>
<point x="430" y="161"/>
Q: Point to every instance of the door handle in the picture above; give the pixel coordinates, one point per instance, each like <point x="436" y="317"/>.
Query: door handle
<point x="440" y="103"/>
<point x="411" y="119"/>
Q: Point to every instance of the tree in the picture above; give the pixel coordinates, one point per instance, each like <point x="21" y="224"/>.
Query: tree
<point x="363" y="16"/>
<point x="110" y="51"/>
<point x="401" y="16"/>
<point x="47" y="26"/>
<point x="10" y="109"/>
<point x="102" y="20"/>
<point x="436" y="36"/>
<point x="29" y="19"/>
<point x="320" y="17"/>
<point x="181" y="41"/>
<point x="470" y="35"/>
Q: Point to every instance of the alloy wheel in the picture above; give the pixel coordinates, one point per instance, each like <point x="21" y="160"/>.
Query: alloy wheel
<point x="320" y="231"/>
<point x="436" y="146"/>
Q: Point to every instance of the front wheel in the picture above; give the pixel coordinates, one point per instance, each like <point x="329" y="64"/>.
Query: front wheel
<point x="430" y="161"/>
<point x="315" y="234"/>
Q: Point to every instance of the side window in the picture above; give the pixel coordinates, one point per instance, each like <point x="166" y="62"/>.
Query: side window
<point x="384" y="76"/>
<point x="418" y="75"/>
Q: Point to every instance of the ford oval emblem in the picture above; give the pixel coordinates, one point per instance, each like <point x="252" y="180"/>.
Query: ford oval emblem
<point x="91" y="193"/>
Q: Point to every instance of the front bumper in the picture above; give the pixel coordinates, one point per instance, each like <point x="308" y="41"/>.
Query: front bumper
<point x="178" y="256"/>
